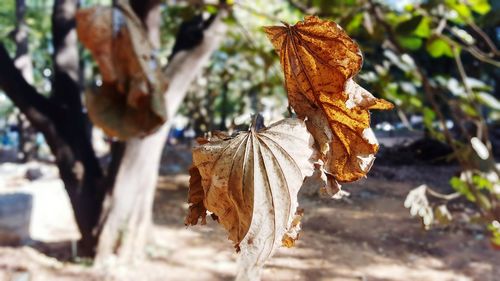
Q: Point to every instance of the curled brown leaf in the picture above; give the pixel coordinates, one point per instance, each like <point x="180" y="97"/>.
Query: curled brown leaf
<point x="131" y="101"/>
<point x="319" y="60"/>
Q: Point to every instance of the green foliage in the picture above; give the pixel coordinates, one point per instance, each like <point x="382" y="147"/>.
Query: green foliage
<point x="481" y="7"/>
<point x="438" y="47"/>
<point x="418" y="26"/>
<point x="410" y="42"/>
<point x="494" y="229"/>
<point x="461" y="187"/>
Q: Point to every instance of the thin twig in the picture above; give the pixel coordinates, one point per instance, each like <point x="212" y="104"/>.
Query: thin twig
<point x="485" y="37"/>
<point x="447" y="197"/>
<point x="473" y="50"/>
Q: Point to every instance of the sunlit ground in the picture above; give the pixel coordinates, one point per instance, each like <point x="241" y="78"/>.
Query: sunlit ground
<point x="369" y="236"/>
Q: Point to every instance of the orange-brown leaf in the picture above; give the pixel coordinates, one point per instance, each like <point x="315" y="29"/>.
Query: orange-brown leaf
<point x="131" y="102"/>
<point x="196" y="195"/>
<point x="319" y="60"/>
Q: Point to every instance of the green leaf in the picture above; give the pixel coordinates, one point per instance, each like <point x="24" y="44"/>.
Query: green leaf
<point x="419" y="26"/>
<point x="354" y="23"/>
<point x="461" y="187"/>
<point x="429" y="116"/>
<point x="424" y="28"/>
<point x="494" y="229"/>
<point x="415" y="102"/>
<point x="483" y="201"/>
<point x="468" y="109"/>
<point x="410" y="42"/>
<point x="438" y="47"/>
<point x="462" y="10"/>
<point x="482" y="183"/>
<point x="481" y="7"/>
<point x="407" y="27"/>
<point x="211" y="9"/>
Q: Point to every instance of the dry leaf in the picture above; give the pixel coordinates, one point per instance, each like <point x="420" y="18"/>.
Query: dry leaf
<point x="250" y="183"/>
<point x="417" y="202"/>
<point x="95" y="32"/>
<point x="195" y="199"/>
<point x="292" y="234"/>
<point x="319" y="61"/>
<point x="131" y="101"/>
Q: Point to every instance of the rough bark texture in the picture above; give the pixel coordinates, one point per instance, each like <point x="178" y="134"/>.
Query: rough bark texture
<point x="126" y="229"/>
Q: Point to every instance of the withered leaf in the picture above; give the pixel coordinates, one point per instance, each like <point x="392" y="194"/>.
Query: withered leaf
<point x="94" y="28"/>
<point x="131" y="101"/>
<point x="196" y="195"/>
<point x="319" y="60"/>
<point x="250" y="183"/>
<point x="292" y="234"/>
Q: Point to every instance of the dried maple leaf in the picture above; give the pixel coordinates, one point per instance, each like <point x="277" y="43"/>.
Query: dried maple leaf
<point x="131" y="101"/>
<point x="250" y="183"/>
<point x="319" y="61"/>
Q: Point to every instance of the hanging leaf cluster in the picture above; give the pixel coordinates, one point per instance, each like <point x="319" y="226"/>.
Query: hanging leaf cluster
<point x="249" y="182"/>
<point x="130" y="102"/>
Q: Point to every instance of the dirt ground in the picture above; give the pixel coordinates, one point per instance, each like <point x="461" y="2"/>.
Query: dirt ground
<point x="369" y="236"/>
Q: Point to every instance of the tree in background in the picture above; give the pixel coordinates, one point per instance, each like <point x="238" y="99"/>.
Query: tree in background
<point x="115" y="218"/>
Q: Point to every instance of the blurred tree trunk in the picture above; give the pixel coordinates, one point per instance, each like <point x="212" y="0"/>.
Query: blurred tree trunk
<point x="77" y="162"/>
<point x="22" y="60"/>
<point x="63" y="123"/>
<point x="128" y="217"/>
<point x="27" y="146"/>
<point x="123" y="219"/>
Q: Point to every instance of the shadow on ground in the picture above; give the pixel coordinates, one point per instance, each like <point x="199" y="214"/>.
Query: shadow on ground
<point x="370" y="236"/>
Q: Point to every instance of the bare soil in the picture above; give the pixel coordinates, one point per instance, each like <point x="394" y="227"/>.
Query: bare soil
<point x="369" y="236"/>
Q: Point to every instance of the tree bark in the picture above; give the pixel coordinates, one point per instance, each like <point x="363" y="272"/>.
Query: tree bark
<point x="125" y="232"/>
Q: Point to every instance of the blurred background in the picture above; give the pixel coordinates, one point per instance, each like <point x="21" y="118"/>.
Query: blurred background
<point x="429" y="209"/>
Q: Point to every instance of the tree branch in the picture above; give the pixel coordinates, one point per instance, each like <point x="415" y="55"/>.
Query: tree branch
<point x="485" y="37"/>
<point x="36" y="107"/>
<point x="66" y="84"/>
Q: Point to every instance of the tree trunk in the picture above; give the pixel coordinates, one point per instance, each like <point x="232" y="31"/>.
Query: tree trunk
<point x="23" y="62"/>
<point x="76" y="159"/>
<point x="63" y="122"/>
<point x="128" y="222"/>
<point x="27" y="147"/>
<point x="65" y="126"/>
<point x="22" y="59"/>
